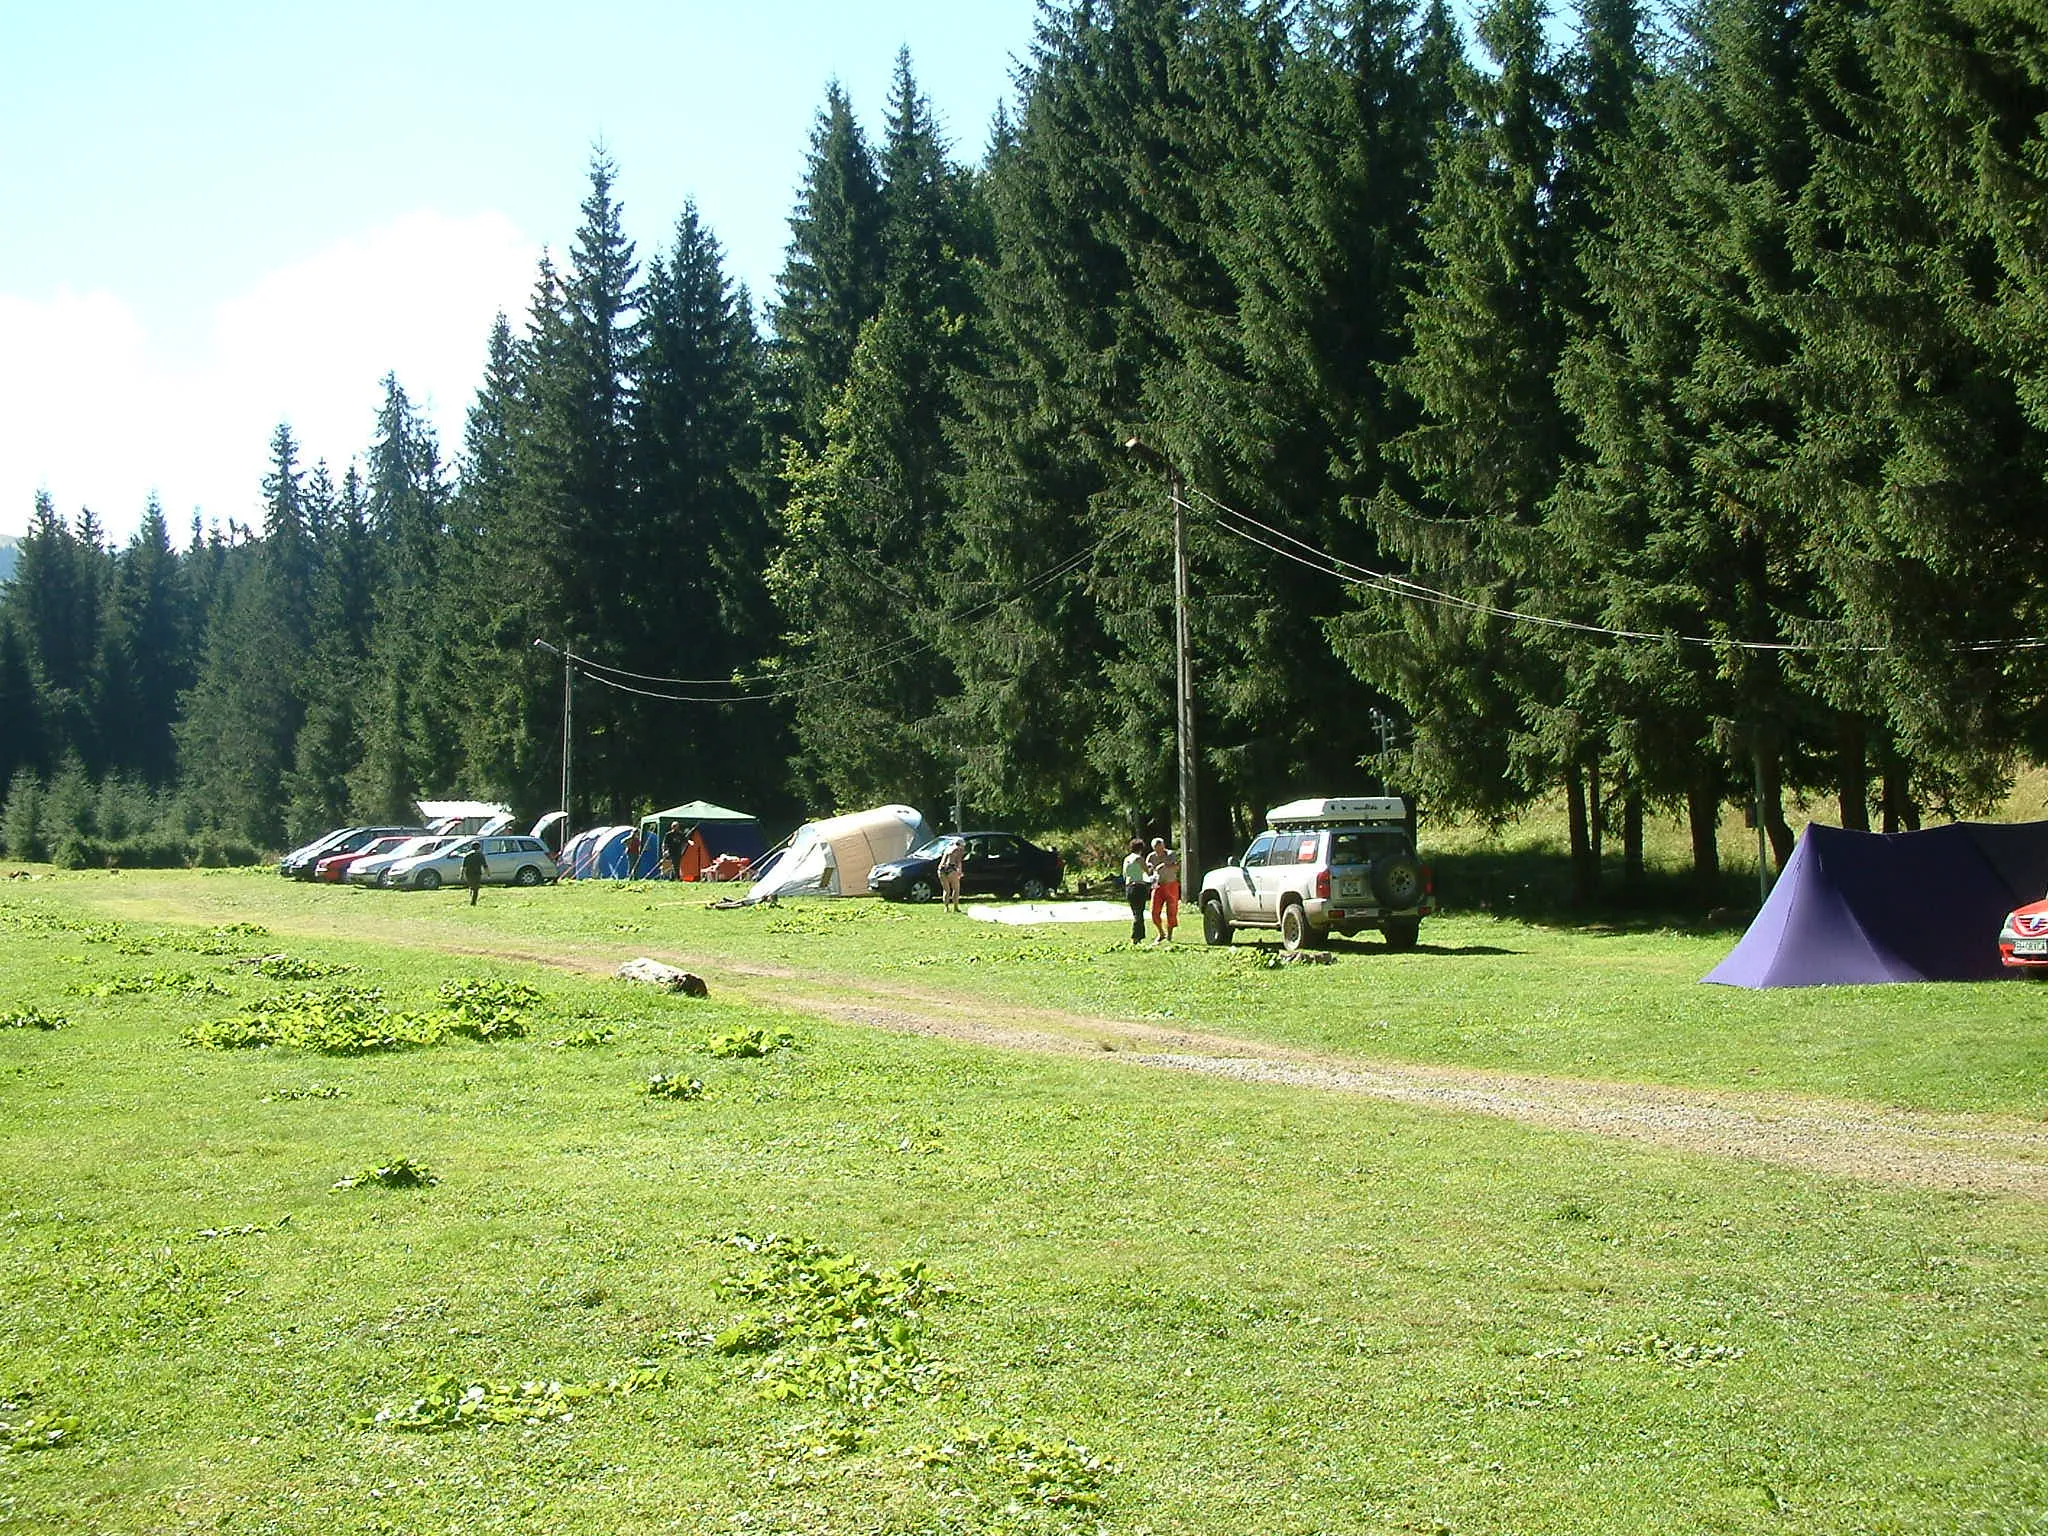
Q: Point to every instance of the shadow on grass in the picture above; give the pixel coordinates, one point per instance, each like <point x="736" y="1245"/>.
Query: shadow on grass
<point x="1339" y="945"/>
<point x="1534" y="886"/>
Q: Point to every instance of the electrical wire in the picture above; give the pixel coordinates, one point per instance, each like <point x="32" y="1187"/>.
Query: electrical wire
<point x="1318" y="559"/>
<point x="867" y="665"/>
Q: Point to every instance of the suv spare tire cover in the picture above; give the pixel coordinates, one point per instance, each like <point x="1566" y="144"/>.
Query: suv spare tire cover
<point x="1397" y="880"/>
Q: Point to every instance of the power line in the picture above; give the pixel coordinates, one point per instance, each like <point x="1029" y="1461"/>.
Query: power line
<point x="1318" y="559"/>
<point x="867" y="664"/>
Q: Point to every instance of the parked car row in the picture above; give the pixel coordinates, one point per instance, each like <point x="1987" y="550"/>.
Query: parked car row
<point x="412" y="858"/>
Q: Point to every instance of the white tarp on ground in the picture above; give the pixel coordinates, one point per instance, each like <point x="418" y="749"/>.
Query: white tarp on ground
<point x="832" y="857"/>
<point x="1053" y="912"/>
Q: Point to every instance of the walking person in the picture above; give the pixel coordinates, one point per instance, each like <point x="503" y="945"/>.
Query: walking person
<point x="473" y="869"/>
<point x="1162" y="865"/>
<point x="952" y="865"/>
<point x="672" y="845"/>
<point x="632" y="854"/>
<point x="1136" y="888"/>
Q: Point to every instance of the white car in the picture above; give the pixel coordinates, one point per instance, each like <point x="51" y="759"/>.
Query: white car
<point x="371" y="871"/>
<point x="1324" y="867"/>
<point x="507" y="861"/>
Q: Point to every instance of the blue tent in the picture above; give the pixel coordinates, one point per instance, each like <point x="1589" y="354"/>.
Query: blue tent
<point x="597" y="853"/>
<point x="1855" y="907"/>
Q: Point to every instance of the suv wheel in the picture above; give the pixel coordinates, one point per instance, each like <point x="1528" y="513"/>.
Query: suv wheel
<point x="1397" y="881"/>
<point x="1215" y="926"/>
<point x="1295" y="933"/>
<point x="1402" y="932"/>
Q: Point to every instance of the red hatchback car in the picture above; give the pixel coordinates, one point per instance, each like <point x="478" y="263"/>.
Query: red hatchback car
<point x="2023" y="941"/>
<point x="334" y="868"/>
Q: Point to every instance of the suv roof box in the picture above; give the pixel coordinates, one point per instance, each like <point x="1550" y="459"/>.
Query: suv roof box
<point x="1302" y="813"/>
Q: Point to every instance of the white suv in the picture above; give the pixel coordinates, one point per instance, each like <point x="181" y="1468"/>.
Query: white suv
<point x="1324" y="867"/>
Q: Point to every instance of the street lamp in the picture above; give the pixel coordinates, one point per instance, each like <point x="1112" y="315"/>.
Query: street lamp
<point x="1183" y="659"/>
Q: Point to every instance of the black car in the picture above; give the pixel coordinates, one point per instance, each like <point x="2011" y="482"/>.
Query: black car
<point x="998" y="864"/>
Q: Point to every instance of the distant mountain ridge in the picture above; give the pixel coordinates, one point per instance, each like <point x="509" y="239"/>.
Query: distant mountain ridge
<point x="10" y="552"/>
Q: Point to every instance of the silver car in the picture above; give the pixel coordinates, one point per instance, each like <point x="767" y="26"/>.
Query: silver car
<point x="1323" y="867"/>
<point x="510" y="860"/>
<point x="371" y="871"/>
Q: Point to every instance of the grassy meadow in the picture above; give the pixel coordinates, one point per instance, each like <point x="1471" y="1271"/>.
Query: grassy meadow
<point x="611" y="1260"/>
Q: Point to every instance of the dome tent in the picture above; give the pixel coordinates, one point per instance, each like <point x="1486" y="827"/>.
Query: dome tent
<point x="1859" y="907"/>
<point x="596" y="853"/>
<point x="832" y="857"/>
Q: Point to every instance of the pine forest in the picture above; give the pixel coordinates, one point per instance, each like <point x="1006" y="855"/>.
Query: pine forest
<point x="1635" y="409"/>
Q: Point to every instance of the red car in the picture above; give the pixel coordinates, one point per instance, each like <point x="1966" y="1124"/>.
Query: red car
<point x="334" y="868"/>
<point x="2023" y="941"/>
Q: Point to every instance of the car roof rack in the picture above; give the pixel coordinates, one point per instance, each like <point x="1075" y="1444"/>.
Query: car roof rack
<point x="1343" y="810"/>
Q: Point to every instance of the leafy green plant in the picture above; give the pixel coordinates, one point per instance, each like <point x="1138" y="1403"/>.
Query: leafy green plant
<point x="1057" y="1473"/>
<point x="597" y="1034"/>
<point x="293" y="968"/>
<point x="311" y="1091"/>
<point x="342" y="1021"/>
<point x="449" y="1402"/>
<point x="183" y="983"/>
<point x="488" y="1010"/>
<point x="32" y="1018"/>
<point x="829" y="1328"/>
<point x="749" y="1042"/>
<point x="666" y="1085"/>
<point x="400" y="1173"/>
<point x="23" y="1427"/>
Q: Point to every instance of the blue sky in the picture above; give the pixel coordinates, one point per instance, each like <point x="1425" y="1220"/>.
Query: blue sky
<point x="226" y="215"/>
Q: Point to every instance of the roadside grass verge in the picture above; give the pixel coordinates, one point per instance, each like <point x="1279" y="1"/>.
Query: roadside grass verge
<point x="1156" y="1305"/>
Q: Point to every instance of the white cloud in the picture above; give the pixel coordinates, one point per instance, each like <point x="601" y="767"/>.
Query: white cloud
<point x="100" y="412"/>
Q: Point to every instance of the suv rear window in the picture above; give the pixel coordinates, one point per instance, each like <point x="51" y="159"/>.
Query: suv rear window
<point x="1360" y="846"/>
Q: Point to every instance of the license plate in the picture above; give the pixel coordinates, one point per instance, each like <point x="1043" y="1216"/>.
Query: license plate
<point x="1351" y="885"/>
<point x="2030" y="946"/>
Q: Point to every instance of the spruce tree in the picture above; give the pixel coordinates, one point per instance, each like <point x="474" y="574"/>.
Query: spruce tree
<point x="831" y="282"/>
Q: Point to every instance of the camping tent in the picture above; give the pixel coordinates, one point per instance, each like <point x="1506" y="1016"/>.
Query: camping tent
<point x="596" y="853"/>
<point x="723" y="831"/>
<point x="832" y="857"/>
<point x="1903" y="906"/>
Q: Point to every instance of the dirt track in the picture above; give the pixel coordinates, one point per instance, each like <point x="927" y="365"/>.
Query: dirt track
<point x="1978" y="1154"/>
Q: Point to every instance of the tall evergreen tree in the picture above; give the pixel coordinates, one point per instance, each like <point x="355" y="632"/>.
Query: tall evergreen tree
<point x="702" y="472"/>
<point x="831" y="282"/>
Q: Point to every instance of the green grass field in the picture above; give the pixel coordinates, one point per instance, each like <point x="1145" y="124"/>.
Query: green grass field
<point x="1019" y="1291"/>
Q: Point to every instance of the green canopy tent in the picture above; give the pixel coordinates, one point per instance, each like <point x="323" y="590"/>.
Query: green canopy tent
<point x="723" y="831"/>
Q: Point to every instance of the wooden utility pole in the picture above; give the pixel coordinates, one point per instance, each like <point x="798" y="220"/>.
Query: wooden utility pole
<point x="1183" y="666"/>
<point x="1184" y="684"/>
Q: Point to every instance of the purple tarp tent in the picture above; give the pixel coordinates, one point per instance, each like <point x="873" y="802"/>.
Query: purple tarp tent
<point x="1903" y="906"/>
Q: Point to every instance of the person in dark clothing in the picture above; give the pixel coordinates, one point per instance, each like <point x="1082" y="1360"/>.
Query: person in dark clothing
<point x="1137" y="888"/>
<point x="673" y="842"/>
<point x="473" y="869"/>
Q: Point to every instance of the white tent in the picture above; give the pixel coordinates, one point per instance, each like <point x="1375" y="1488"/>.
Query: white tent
<point x="832" y="857"/>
